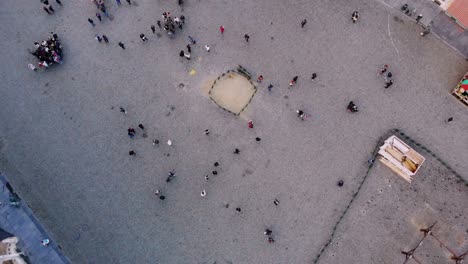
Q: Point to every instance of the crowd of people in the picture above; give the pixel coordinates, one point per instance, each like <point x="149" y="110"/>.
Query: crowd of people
<point x="48" y="52"/>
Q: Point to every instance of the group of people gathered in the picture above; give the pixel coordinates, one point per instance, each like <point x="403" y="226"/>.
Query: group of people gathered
<point x="48" y="51"/>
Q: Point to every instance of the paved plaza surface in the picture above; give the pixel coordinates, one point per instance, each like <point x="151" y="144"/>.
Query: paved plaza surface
<point x="64" y="144"/>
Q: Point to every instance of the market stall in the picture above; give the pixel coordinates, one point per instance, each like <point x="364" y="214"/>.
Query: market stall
<point x="461" y="91"/>
<point x="400" y="158"/>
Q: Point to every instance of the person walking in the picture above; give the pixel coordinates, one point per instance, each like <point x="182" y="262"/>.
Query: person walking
<point x="99" y="17"/>
<point x="131" y="132"/>
<point x="314" y="75"/>
<point x="143" y="37"/>
<point x="221" y="29"/>
<point x="192" y="40"/>
<point x="236" y="151"/>
<point x="383" y="69"/>
<point x="260" y="79"/>
<point x="121" y="45"/>
<point x="250" y="124"/>
<point x="207" y="48"/>
<point x="141" y="126"/>
<point x="355" y="17"/>
<point x="129" y="2"/>
<point x="425" y="31"/>
<point x="58" y="2"/>
<point x="46" y="9"/>
<point x="153" y="29"/>
<point x="50" y="7"/>
<point x="246" y="37"/>
<point x="131" y="153"/>
<point x="118" y="2"/>
<point x="270" y="86"/>
<point x="388" y="83"/>
<point x="450" y="119"/>
<point x="418" y="18"/>
<point x="91" y="22"/>
<point x="158" y="23"/>
<point x="303" y="22"/>
<point x="207" y="132"/>
<point x="104" y="37"/>
<point x="99" y="39"/>
<point x="300" y="114"/>
<point x="122" y="110"/>
<point x="189" y="48"/>
<point x="293" y="81"/>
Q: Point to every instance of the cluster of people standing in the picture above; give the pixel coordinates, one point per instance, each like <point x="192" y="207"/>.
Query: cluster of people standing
<point x="48" y="52"/>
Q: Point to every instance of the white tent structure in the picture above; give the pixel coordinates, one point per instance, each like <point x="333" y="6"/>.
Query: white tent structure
<point x="400" y="158"/>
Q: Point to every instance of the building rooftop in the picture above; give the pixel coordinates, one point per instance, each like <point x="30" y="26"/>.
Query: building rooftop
<point x="459" y="10"/>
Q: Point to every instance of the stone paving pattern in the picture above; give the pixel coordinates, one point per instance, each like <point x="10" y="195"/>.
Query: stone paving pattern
<point x="64" y="147"/>
<point x="20" y="222"/>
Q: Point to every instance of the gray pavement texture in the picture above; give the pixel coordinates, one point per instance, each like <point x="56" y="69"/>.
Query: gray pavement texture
<point x="20" y="222"/>
<point x="437" y="20"/>
<point x="64" y="146"/>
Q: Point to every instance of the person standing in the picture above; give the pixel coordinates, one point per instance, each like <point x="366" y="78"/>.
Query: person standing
<point x="98" y="38"/>
<point x="153" y="28"/>
<point x="121" y="45"/>
<point x="122" y="110"/>
<point x="221" y="29"/>
<point x="189" y="48"/>
<point x="118" y="2"/>
<point x="99" y="17"/>
<point x="270" y="87"/>
<point x="260" y="79"/>
<point x="46" y="9"/>
<point x="250" y="124"/>
<point x="129" y="2"/>
<point x="246" y="37"/>
<point x="104" y="37"/>
<point x="303" y="22"/>
<point x="207" y="48"/>
<point x="50" y="7"/>
<point x="91" y="22"/>
<point x="450" y="119"/>
<point x="314" y="75"/>
<point x="131" y="153"/>
<point x="58" y="2"/>
<point x="32" y="67"/>
<point x="143" y="37"/>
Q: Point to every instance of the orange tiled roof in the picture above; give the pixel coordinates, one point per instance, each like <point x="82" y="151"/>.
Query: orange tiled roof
<point x="459" y="10"/>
